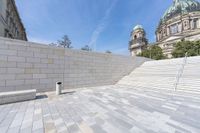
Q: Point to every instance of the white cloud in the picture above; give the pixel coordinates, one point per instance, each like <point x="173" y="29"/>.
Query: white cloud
<point x="101" y="26"/>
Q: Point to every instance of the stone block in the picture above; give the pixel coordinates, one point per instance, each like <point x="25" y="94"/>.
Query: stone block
<point x="59" y="61"/>
<point x="39" y="76"/>
<point x="33" y="60"/>
<point x="48" y="50"/>
<point x="39" y="65"/>
<point x="40" y="55"/>
<point x="25" y="53"/>
<point x="2" y="83"/>
<point x="7" y="64"/>
<point x="31" y="81"/>
<point x="46" y="81"/>
<point x="24" y="76"/>
<point x="50" y="61"/>
<point x="22" y="87"/>
<point x="39" y="87"/>
<point x="3" y="46"/>
<point x="8" y="52"/>
<point x="16" y="59"/>
<point x="47" y="71"/>
<point x="24" y="65"/>
<point x="32" y="71"/>
<point x="33" y="49"/>
<point x="17" y="46"/>
<point x="7" y="76"/>
<point x="3" y="70"/>
<point x="47" y="61"/>
<point x="14" y="82"/>
<point x="17" y="96"/>
<point x="59" y="71"/>
<point x="15" y="70"/>
<point x="3" y="58"/>
<point x="54" y="75"/>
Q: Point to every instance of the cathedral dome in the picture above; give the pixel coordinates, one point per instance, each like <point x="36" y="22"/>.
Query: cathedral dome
<point x="181" y="7"/>
<point x="138" y="27"/>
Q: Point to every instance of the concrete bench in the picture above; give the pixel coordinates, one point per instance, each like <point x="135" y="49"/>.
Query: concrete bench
<point x="17" y="96"/>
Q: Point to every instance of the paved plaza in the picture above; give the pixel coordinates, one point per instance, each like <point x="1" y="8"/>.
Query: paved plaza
<point x="108" y="109"/>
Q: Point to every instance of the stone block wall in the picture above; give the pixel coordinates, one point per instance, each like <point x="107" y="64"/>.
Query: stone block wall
<point x="26" y="65"/>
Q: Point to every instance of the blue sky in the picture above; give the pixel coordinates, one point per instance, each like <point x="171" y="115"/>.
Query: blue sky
<point x="102" y="24"/>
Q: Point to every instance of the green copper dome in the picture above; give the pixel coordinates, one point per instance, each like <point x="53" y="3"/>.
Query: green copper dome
<point x="181" y="7"/>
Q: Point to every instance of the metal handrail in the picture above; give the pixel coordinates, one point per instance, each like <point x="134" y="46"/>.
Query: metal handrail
<point x="180" y="72"/>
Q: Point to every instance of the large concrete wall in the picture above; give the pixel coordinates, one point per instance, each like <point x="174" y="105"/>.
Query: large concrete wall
<point x="25" y="65"/>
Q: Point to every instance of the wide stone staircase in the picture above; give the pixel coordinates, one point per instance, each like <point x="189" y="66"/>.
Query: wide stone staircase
<point x="182" y="74"/>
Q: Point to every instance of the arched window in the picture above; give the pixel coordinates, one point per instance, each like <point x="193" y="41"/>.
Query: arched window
<point x="195" y="23"/>
<point x="185" y="23"/>
<point x="174" y="29"/>
<point x="135" y="37"/>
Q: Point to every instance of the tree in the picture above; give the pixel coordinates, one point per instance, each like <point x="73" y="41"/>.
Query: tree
<point x="153" y="52"/>
<point x="86" y="48"/>
<point x="108" y="52"/>
<point x="189" y="47"/>
<point x="197" y="45"/>
<point x="156" y="53"/>
<point x="65" y="42"/>
<point x="145" y="53"/>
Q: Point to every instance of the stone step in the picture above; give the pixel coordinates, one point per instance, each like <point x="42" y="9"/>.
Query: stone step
<point x="162" y="75"/>
<point x="189" y="91"/>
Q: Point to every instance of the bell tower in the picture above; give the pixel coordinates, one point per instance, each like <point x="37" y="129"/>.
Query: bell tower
<point x="138" y="41"/>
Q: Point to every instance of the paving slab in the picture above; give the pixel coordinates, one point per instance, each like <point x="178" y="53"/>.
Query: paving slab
<point x="106" y="109"/>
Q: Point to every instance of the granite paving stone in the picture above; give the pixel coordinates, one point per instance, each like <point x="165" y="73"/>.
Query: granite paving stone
<point x="106" y="109"/>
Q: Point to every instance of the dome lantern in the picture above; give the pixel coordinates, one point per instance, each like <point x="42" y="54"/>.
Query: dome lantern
<point x="138" y="27"/>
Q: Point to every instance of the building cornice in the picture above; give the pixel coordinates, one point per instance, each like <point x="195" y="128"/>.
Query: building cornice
<point x="2" y="19"/>
<point x="18" y="16"/>
<point x="178" y="18"/>
<point x="183" y="36"/>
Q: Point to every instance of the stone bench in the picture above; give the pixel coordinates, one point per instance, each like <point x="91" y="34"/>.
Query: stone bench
<point x="17" y="96"/>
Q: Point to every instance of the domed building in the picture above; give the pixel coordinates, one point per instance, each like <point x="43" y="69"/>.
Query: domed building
<point x="138" y="41"/>
<point x="180" y="22"/>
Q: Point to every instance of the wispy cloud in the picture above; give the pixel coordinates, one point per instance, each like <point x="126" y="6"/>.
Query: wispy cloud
<point x="101" y="26"/>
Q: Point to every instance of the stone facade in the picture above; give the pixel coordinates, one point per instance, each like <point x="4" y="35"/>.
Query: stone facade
<point x="181" y="27"/>
<point x="138" y="41"/>
<point x="25" y="65"/>
<point x="10" y="23"/>
<point x="180" y="22"/>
